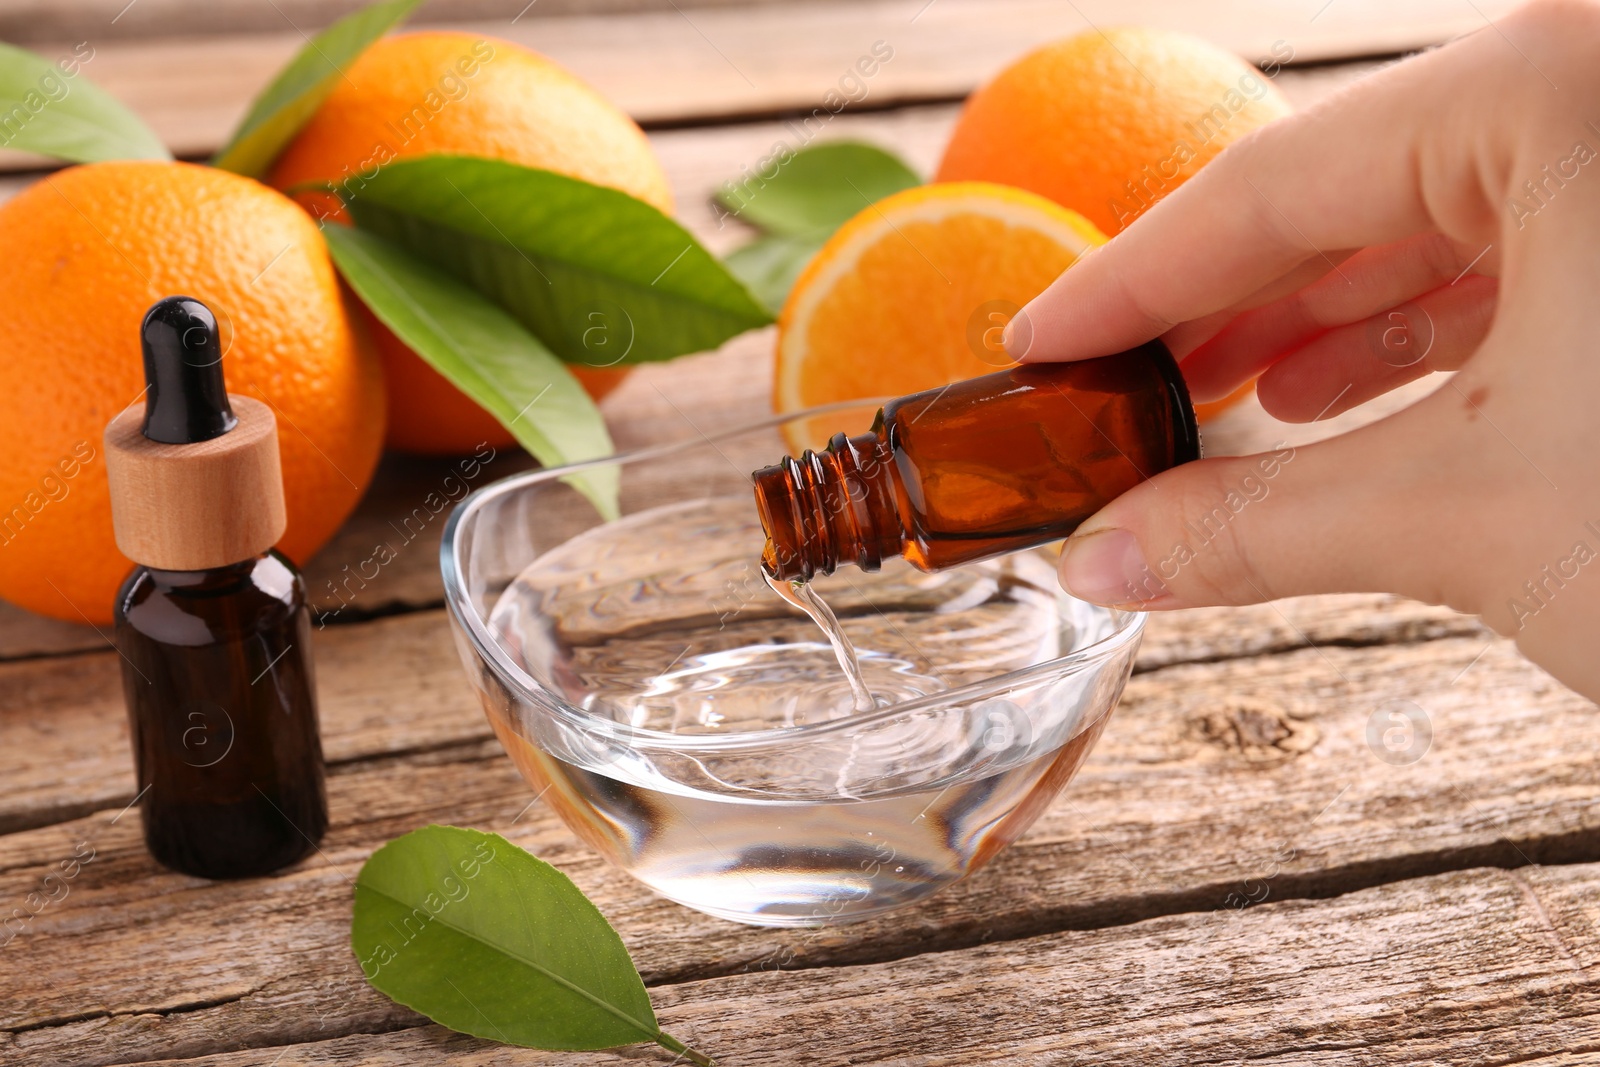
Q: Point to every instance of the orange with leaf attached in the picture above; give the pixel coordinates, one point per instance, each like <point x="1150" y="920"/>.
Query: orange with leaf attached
<point x="465" y="94"/>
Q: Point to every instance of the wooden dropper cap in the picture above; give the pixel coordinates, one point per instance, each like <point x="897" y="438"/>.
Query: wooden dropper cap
<point x="195" y="478"/>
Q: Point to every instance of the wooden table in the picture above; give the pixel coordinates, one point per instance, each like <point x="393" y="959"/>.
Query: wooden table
<point x="1235" y="875"/>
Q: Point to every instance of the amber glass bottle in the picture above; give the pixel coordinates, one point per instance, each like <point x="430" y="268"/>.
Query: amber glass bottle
<point x="222" y="709"/>
<point x="982" y="467"/>
<point x="212" y="624"/>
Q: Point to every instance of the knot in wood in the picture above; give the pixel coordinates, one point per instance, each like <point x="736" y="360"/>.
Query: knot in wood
<point x="1258" y="731"/>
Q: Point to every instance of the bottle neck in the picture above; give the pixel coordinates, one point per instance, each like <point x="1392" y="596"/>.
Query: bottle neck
<point x="823" y="508"/>
<point x="210" y="580"/>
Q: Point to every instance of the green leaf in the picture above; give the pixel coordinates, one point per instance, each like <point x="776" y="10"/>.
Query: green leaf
<point x="299" y="89"/>
<point x="483" y="352"/>
<point x="45" y="110"/>
<point x="480" y="936"/>
<point x="817" y="188"/>
<point x="769" y="265"/>
<point x="598" y="276"/>
<point x="813" y="193"/>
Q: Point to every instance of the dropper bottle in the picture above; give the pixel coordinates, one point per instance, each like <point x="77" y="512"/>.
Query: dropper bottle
<point x="212" y="623"/>
<point x="978" y="468"/>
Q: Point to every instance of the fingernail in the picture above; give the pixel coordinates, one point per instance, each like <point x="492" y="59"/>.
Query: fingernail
<point x="1106" y="567"/>
<point x="1018" y="337"/>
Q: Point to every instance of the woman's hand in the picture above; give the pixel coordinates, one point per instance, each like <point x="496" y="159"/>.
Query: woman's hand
<point x="1443" y="214"/>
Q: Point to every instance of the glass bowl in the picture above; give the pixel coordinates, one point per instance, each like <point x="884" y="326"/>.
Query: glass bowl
<point x="696" y="730"/>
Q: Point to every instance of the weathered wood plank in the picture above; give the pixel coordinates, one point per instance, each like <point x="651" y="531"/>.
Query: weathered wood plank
<point x="1214" y="783"/>
<point x="389" y="686"/>
<point x="700" y="158"/>
<point x="396" y="685"/>
<point x="1475" y="968"/>
<point x="51" y="20"/>
<point x="672" y="66"/>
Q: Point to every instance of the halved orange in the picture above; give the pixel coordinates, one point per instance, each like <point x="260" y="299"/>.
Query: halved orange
<point x="914" y="293"/>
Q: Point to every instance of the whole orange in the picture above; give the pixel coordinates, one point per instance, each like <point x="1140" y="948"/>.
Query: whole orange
<point x="465" y="94"/>
<point x="88" y="250"/>
<point x="1108" y="123"/>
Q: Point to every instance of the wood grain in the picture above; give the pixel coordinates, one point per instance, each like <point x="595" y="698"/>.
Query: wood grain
<point x="387" y="687"/>
<point x="674" y="67"/>
<point x="1215" y="783"/>
<point x="395" y="685"/>
<point x="1465" y="970"/>
<point x="48" y="20"/>
<point x="1469" y="968"/>
<point x="193" y="507"/>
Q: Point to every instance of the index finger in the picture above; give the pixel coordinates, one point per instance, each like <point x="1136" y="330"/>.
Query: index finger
<point x="1343" y="174"/>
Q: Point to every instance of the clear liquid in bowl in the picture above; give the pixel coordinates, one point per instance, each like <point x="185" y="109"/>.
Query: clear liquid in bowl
<point x="663" y="622"/>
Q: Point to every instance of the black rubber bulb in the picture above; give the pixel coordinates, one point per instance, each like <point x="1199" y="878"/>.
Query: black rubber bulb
<point x="186" y="401"/>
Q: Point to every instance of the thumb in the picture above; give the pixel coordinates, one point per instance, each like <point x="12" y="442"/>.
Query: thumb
<point x="1345" y="515"/>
